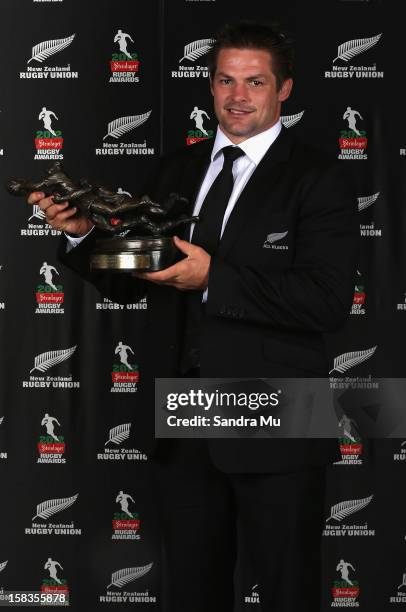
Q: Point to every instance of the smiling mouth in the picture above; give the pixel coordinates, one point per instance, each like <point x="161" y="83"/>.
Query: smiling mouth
<point x="236" y="112"/>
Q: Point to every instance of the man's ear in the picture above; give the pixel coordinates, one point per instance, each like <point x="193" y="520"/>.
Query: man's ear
<point x="284" y="92"/>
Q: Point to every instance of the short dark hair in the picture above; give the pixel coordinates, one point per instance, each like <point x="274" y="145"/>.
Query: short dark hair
<point x="256" y="35"/>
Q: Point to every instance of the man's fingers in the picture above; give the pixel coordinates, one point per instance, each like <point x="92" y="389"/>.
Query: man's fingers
<point x="62" y="216"/>
<point x="55" y="209"/>
<point x="35" y="197"/>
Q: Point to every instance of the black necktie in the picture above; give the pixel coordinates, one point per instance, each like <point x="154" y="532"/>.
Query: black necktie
<point x="207" y="235"/>
<point x="207" y="231"/>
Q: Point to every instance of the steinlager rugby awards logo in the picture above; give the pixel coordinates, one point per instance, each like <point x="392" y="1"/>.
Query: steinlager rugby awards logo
<point x="44" y="362"/>
<point x="368" y="230"/>
<point x="3" y="454"/>
<point x="124" y="64"/>
<point x="345" y="591"/>
<point x="343" y="510"/>
<point x="352" y="142"/>
<point x="189" y="63"/>
<point x="350" y="442"/>
<point x="118" y="128"/>
<point x="54" y="584"/>
<point x="114" y="450"/>
<point x="48" y="141"/>
<point x="37" y="67"/>
<point x="199" y="133"/>
<point x="125" y="523"/>
<point x="125" y="375"/>
<point x="37" y="226"/>
<point x="358" y="302"/>
<point x="347" y="361"/>
<point x="122" y="577"/>
<point x="48" y="295"/>
<point x="48" y="508"/>
<point x="51" y="448"/>
<point x="344" y="66"/>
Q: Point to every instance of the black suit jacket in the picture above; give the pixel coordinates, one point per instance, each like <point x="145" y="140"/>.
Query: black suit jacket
<point x="270" y="297"/>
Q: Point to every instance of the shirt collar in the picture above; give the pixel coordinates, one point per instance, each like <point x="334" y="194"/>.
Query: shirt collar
<point x="254" y="147"/>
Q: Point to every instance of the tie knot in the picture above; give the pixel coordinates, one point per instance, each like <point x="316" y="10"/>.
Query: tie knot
<point x="232" y="153"/>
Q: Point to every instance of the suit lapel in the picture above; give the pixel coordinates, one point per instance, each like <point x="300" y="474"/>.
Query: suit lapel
<point x="257" y="191"/>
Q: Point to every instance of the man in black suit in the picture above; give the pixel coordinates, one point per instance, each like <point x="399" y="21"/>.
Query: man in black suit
<point x="268" y="269"/>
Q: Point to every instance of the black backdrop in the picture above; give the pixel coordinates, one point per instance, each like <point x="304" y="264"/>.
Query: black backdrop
<point x="92" y="450"/>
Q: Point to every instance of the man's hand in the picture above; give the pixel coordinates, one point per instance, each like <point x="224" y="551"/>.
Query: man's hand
<point x="61" y="216"/>
<point x="189" y="273"/>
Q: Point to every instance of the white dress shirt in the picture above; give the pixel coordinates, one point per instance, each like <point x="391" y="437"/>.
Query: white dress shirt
<point x="243" y="167"/>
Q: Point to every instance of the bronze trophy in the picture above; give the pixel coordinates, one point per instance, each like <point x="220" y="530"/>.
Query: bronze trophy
<point x="140" y="230"/>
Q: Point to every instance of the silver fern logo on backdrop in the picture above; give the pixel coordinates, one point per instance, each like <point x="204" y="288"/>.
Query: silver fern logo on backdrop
<point x="120" y="589"/>
<point x="117" y="448"/>
<point x="253" y="596"/>
<point x="346" y="63"/>
<point x="368" y="230"/>
<point x="50" y="360"/>
<point x="43" y="65"/>
<point x="119" y="132"/>
<point x="347" y="361"/>
<point x="400" y="454"/>
<point x="192" y="64"/>
<point x="37" y="226"/>
<point x="47" y="509"/>
<point x="400" y="590"/>
<point x="341" y="524"/>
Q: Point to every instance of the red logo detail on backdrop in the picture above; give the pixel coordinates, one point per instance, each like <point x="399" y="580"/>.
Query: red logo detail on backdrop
<point x="49" y="296"/>
<point x="48" y="141"/>
<point x="125" y="375"/>
<point x="51" y="447"/>
<point x="352" y="142"/>
<point x="199" y="116"/>
<point x="125" y="523"/>
<point x="124" y="65"/>
<point x="358" y="303"/>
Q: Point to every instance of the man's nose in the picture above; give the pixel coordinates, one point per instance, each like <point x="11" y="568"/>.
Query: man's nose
<point x="240" y="92"/>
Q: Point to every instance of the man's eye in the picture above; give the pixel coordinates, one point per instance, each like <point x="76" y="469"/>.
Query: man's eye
<point x="225" y="81"/>
<point x="257" y="83"/>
